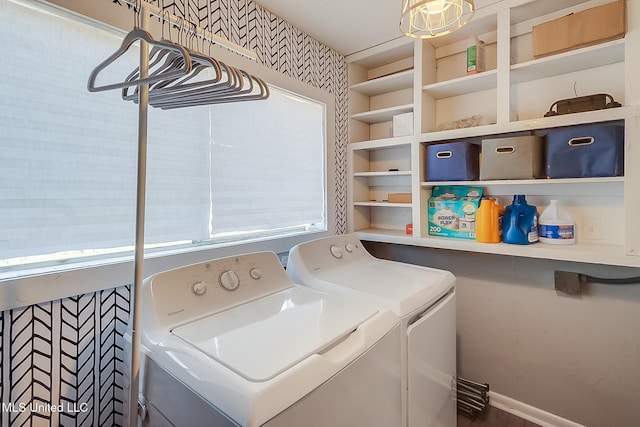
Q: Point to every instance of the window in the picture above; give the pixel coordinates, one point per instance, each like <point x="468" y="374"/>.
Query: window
<point x="259" y="162"/>
<point x="221" y="173"/>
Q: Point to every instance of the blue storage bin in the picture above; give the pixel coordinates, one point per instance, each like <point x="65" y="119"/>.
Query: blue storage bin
<point x="453" y="161"/>
<point x="585" y="151"/>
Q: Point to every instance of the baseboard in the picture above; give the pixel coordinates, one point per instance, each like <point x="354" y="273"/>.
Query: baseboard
<point x="528" y="412"/>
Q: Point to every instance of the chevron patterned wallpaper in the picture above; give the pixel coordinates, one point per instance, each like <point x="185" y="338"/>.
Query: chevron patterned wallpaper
<point x="62" y="362"/>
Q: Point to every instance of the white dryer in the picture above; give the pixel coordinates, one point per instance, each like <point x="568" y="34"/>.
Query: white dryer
<point x="423" y="300"/>
<point x="234" y="342"/>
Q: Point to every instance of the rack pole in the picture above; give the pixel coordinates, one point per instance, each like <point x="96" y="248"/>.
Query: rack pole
<point x="143" y="106"/>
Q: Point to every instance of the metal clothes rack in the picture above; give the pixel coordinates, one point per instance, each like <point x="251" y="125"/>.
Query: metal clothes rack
<point x="146" y="9"/>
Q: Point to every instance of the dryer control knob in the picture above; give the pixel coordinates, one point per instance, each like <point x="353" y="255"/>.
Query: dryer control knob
<point x="255" y="273"/>
<point x="349" y="247"/>
<point x="229" y="280"/>
<point x="199" y="288"/>
<point x="336" y="251"/>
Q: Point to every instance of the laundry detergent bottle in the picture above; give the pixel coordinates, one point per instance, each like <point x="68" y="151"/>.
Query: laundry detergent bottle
<point x="557" y="226"/>
<point x="489" y="221"/>
<point x="520" y="222"/>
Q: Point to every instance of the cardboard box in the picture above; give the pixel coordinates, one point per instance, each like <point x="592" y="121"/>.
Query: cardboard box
<point x="399" y="198"/>
<point x="403" y="124"/>
<point x="586" y="28"/>
<point x="452" y="211"/>
<point x="520" y="157"/>
<point x="475" y="57"/>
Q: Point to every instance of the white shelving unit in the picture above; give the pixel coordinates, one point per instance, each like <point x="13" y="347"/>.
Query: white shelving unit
<point x="510" y="97"/>
<point x="379" y="168"/>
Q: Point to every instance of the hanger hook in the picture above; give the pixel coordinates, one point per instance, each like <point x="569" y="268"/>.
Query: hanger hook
<point x="179" y="28"/>
<point x="185" y="33"/>
<point x="194" y="36"/>
<point x="162" y="22"/>
<point x="136" y="21"/>
<point x="139" y="13"/>
<point x="185" y="30"/>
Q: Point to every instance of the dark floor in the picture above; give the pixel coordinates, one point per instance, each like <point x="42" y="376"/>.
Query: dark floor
<point x="494" y="417"/>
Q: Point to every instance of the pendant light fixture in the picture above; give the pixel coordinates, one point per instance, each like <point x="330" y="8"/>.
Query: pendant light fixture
<point x="432" y="18"/>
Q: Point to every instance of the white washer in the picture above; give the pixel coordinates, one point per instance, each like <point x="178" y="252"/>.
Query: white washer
<point x="423" y="299"/>
<point x="234" y="342"/>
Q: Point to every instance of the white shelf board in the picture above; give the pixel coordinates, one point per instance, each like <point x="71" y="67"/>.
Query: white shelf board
<point x="558" y="181"/>
<point x="545" y="187"/>
<point x="383" y="143"/>
<point x="568" y="62"/>
<point x="373" y="204"/>
<point x="588" y="117"/>
<point x="385" y="84"/>
<point x="383" y="173"/>
<point x="382" y="115"/>
<point x="463" y="85"/>
<point x="392" y="51"/>
<point x="540" y="11"/>
<point x="586" y="253"/>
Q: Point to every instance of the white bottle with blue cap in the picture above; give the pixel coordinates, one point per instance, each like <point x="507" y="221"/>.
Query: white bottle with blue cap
<point x="556" y="226"/>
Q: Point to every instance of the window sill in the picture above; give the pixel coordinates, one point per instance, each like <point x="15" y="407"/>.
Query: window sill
<point x="19" y="288"/>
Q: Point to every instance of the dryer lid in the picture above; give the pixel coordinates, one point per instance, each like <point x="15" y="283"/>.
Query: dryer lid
<point x="264" y="338"/>
<point x="401" y="287"/>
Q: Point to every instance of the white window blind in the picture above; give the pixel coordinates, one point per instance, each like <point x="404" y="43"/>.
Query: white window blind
<point x="267" y="169"/>
<point x="68" y="157"/>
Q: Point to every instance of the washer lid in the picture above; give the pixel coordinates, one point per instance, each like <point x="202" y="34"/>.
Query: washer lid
<point x="264" y="338"/>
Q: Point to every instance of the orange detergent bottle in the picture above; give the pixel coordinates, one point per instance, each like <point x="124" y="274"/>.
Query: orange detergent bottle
<point x="489" y="221"/>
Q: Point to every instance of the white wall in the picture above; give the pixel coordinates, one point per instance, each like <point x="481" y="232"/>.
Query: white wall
<point x="575" y="357"/>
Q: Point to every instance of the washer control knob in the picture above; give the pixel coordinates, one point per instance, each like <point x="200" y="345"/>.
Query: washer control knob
<point x="255" y="273"/>
<point x="336" y="251"/>
<point x="199" y="288"/>
<point x="229" y="280"/>
<point x="349" y="247"/>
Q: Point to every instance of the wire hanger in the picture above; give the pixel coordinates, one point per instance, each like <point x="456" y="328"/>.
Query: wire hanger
<point x="256" y="89"/>
<point x="133" y="79"/>
<point x="168" y="88"/>
<point x="172" y="61"/>
<point x="132" y="37"/>
<point x="175" y="75"/>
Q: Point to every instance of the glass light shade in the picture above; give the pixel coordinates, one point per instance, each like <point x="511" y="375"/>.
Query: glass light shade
<point x="432" y="18"/>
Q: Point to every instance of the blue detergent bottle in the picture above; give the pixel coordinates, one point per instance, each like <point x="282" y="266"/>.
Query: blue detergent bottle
<point x="520" y="222"/>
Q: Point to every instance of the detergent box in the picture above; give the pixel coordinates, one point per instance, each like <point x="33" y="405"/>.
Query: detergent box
<point x="452" y="211"/>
